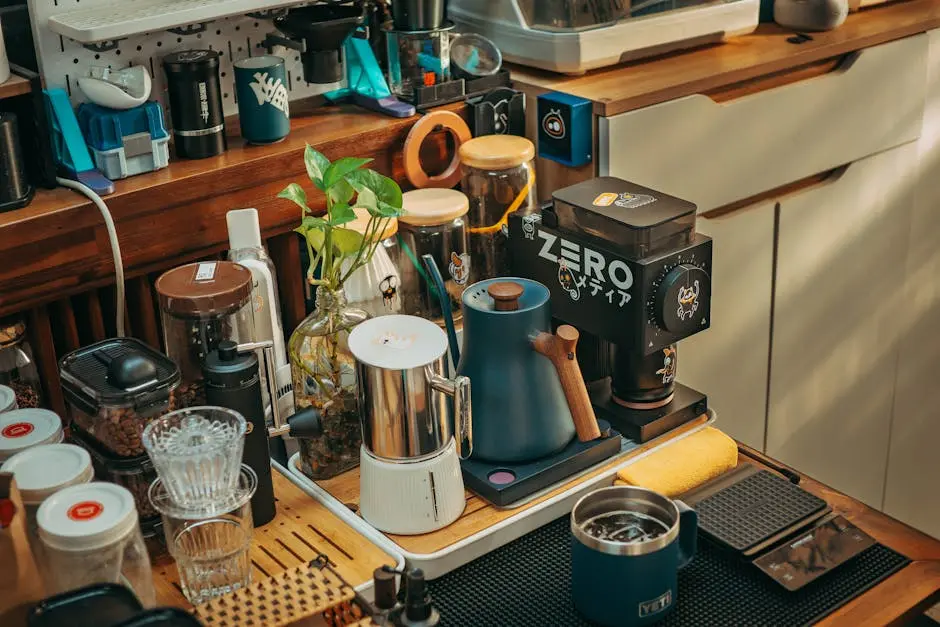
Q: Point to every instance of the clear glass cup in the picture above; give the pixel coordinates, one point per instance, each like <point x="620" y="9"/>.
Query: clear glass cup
<point x="210" y="545"/>
<point x="197" y="452"/>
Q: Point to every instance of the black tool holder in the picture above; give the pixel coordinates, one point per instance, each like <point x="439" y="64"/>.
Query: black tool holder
<point x="625" y="266"/>
<point x="498" y="111"/>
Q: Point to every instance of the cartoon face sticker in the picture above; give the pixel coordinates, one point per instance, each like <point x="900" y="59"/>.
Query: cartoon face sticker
<point x="688" y="301"/>
<point x="668" y="371"/>
<point x="459" y="267"/>
<point x="568" y="281"/>
<point x="389" y="289"/>
<point x="554" y="125"/>
<point x="529" y="224"/>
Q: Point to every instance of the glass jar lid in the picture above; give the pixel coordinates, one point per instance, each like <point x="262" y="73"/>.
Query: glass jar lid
<point x="496" y="152"/>
<point x="87" y="517"/>
<point x="23" y="428"/>
<point x="43" y="470"/>
<point x="204" y="289"/>
<point x="361" y="222"/>
<point x="433" y="207"/>
<point x="12" y="330"/>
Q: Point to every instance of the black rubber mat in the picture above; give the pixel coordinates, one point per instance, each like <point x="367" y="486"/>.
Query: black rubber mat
<point x="526" y="583"/>
<point x="755" y="509"/>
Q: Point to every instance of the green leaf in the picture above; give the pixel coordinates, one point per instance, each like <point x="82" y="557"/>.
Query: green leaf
<point x="367" y="199"/>
<point x="341" y="214"/>
<point x="341" y="193"/>
<point x="346" y="241"/>
<point x="316" y="238"/>
<point x="340" y="168"/>
<point x="296" y="194"/>
<point x="311" y="222"/>
<point x="316" y="165"/>
<point x="385" y="189"/>
<point x="385" y="210"/>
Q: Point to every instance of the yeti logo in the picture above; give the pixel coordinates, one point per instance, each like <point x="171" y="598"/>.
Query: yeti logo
<point x="688" y="301"/>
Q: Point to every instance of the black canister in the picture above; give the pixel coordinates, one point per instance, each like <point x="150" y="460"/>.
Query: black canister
<point x="15" y="190"/>
<point x="644" y="381"/>
<point x="195" y="94"/>
<point x="232" y="381"/>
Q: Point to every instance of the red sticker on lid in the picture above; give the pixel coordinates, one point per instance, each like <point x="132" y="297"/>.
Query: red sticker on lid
<point x="86" y="510"/>
<point x="17" y="430"/>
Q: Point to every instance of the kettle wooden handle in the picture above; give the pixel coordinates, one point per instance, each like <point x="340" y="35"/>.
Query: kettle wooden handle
<point x="560" y="348"/>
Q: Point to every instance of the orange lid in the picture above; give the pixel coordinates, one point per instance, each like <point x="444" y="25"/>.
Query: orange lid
<point x="496" y="152"/>
<point x="361" y="222"/>
<point x="433" y="206"/>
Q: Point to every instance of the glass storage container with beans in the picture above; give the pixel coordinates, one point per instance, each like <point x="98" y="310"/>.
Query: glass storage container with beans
<point x="115" y="387"/>
<point x="435" y="223"/>
<point x="134" y="473"/>
<point x="17" y="368"/>
<point x="203" y="304"/>
<point x="499" y="178"/>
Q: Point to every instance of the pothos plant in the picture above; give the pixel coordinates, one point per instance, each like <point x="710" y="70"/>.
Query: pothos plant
<point x="347" y="184"/>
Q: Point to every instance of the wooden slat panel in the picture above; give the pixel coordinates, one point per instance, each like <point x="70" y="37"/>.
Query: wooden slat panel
<point x="95" y="316"/>
<point x="142" y="311"/>
<point x="43" y="345"/>
<point x="66" y="326"/>
<point x="285" y="253"/>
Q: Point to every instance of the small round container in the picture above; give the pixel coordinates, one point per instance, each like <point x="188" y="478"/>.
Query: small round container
<point x="203" y="304"/>
<point x="374" y="287"/>
<point x="195" y="96"/>
<point x="499" y="178"/>
<point x="114" y="388"/>
<point x="43" y="470"/>
<point x="17" y="368"/>
<point x="435" y="223"/>
<point x="90" y="535"/>
<point x="7" y="399"/>
<point x="24" y="428"/>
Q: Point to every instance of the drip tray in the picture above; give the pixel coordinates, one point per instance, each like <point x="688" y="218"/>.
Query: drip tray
<point x="506" y="484"/>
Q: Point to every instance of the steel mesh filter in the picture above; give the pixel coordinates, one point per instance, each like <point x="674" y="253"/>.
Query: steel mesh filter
<point x="526" y="583"/>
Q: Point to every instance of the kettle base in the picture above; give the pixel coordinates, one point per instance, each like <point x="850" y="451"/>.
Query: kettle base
<point x="505" y="485"/>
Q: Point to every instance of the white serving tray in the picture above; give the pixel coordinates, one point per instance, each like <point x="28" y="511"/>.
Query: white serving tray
<point x="456" y="555"/>
<point x="366" y="588"/>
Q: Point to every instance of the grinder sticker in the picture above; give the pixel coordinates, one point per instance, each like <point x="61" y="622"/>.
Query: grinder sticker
<point x="606" y="199"/>
<point x="459" y="267"/>
<point x="530" y="224"/>
<point x="688" y="301"/>
<point x="668" y="371"/>
<point x="632" y="201"/>
<point x="568" y="281"/>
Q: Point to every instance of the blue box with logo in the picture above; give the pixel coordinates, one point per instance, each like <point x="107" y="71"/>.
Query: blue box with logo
<point x="566" y="129"/>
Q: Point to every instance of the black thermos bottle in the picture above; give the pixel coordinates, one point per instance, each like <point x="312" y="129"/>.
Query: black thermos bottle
<point x="195" y="95"/>
<point x="232" y="381"/>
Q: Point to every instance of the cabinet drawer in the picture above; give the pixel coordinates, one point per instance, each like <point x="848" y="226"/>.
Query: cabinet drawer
<point x="715" y="153"/>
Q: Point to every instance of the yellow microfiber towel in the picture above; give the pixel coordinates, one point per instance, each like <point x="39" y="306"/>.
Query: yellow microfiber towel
<point x="683" y="465"/>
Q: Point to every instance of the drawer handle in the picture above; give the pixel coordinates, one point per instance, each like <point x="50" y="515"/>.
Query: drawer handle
<point x="840" y="64"/>
<point x="816" y="180"/>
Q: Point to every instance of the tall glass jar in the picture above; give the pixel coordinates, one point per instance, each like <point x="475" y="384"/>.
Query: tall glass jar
<point x="499" y="178"/>
<point x="17" y="368"/>
<point x="324" y="377"/>
<point x="203" y="304"/>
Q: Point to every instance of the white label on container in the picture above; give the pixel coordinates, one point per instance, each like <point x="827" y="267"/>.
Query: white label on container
<point x="205" y="271"/>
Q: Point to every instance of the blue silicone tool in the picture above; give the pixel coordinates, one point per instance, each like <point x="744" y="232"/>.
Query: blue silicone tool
<point x="68" y="144"/>
<point x="366" y="84"/>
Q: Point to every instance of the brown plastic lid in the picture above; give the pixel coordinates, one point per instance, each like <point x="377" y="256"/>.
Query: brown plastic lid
<point x="205" y="288"/>
<point x="12" y="331"/>
<point x="431" y="206"/>
<point x="505" y="295"/>
<point x="361" y="222"/>
<point x="496" y="152"/>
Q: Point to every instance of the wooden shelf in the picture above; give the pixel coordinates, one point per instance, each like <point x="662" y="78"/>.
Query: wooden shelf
<point x="14" y="86"/>
<point x="302" y="529"/>
<point x="125" y="18"/>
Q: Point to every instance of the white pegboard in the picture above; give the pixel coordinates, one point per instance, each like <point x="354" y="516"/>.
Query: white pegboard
<point x="62" y="61"/>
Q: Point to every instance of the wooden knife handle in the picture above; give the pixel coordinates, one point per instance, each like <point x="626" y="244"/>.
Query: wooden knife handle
<point x="560" y="349"/>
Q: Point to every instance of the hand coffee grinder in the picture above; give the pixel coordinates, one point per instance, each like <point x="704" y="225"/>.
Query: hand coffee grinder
<point x="626" y="267"/>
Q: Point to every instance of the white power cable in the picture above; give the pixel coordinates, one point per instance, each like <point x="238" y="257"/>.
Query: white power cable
<point x="115" y="246"/>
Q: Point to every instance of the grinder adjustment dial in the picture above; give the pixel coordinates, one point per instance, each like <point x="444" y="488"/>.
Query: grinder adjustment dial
<point x="680" y="304"/>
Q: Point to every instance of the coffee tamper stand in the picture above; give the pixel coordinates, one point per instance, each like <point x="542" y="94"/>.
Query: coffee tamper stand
<point x="410" y="607"/>
<point x="232" y="374"/>
<point x="626" y="267"/>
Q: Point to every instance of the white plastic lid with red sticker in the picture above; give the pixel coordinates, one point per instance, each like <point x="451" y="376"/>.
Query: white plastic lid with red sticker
<point x="87" y="517"/>
<point x="45" y="469"/>
<point x="23" y="428"/>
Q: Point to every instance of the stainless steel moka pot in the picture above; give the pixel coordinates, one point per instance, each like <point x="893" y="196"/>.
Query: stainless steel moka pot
<point x="416" y="425"/>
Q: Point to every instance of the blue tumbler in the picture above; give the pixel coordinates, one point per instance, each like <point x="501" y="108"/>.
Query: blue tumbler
<point x="263" y="110"/>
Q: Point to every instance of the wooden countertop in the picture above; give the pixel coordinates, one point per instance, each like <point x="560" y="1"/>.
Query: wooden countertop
<point x="902" y="596"/>
<point x="743" y="59"/>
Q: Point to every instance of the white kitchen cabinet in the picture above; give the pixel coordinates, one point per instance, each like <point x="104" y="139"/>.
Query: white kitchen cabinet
<point x="838" y="305"/>
<point x="729" y="361"/>
<point x="912" y="493"/>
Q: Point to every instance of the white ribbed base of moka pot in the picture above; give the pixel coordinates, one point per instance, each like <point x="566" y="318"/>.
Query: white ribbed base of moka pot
<point x="410" y="498"/>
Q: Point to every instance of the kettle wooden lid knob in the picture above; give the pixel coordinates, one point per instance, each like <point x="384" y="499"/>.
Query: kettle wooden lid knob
<point x="505" y="295"/>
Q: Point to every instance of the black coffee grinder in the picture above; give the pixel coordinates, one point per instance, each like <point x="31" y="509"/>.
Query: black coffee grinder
<point x="626" y="267"/>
